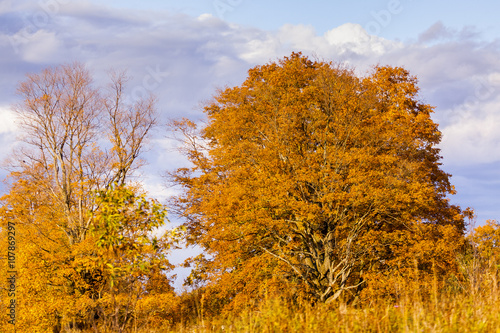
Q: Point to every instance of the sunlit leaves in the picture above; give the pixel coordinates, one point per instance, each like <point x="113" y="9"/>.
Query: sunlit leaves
<point x="89" y="242"/>
<point x="305" y="161"/>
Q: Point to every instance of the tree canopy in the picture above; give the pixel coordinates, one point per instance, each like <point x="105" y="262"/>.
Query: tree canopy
<point x="87" y="254"/>
<point x="312" y="175"/>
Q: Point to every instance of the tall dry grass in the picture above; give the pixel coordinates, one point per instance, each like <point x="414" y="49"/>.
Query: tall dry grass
<point x="469" y="304"/>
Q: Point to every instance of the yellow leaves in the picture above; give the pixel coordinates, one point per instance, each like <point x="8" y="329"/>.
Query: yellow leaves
<point x="157" y="310"/>
<point x="486" y="239"/>
<point x="60" y="282"/>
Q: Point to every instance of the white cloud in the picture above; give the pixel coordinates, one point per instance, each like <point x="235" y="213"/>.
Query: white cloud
<point x="8" y="134"/>
<point x="203" y="53"/>
<point x="473" y="137"/>
<point x="5" y="6"/>
<point x="42" y="47"/>
<point x="298" y="36"/>
<point x="345" y="42"/>
<point x="351" y="37"/>
<point x="260" y="49"/>
<point x="7" y="121"/>
<point x="209" y="18"/>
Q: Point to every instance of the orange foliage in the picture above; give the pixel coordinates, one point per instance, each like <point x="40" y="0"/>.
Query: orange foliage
<point x="307" y="173"/>
<point x="486" y="239"/>
<point x="85" y="248"/>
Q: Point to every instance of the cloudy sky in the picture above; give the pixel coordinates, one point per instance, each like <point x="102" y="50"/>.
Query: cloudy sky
<point x="182" y="51"/>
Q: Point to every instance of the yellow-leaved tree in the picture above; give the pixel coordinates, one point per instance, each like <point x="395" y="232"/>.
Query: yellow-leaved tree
<point x="310" y="180"/>
<point x="86" y="255"/>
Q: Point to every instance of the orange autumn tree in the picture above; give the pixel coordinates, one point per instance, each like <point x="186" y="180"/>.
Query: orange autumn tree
<point x="486" y="240"/>
<point x="68" y="189"/>
<point x="310" y="176"/>
<point x="479" y="263"/>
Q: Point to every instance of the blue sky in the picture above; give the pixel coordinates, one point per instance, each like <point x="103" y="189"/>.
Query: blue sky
<point x="407" y="19"/>
<point x="184" y="50"/>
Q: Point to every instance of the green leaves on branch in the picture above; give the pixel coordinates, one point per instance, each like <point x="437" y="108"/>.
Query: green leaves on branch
<point x="121" y="214"/>
<point x="127" y="227"/>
